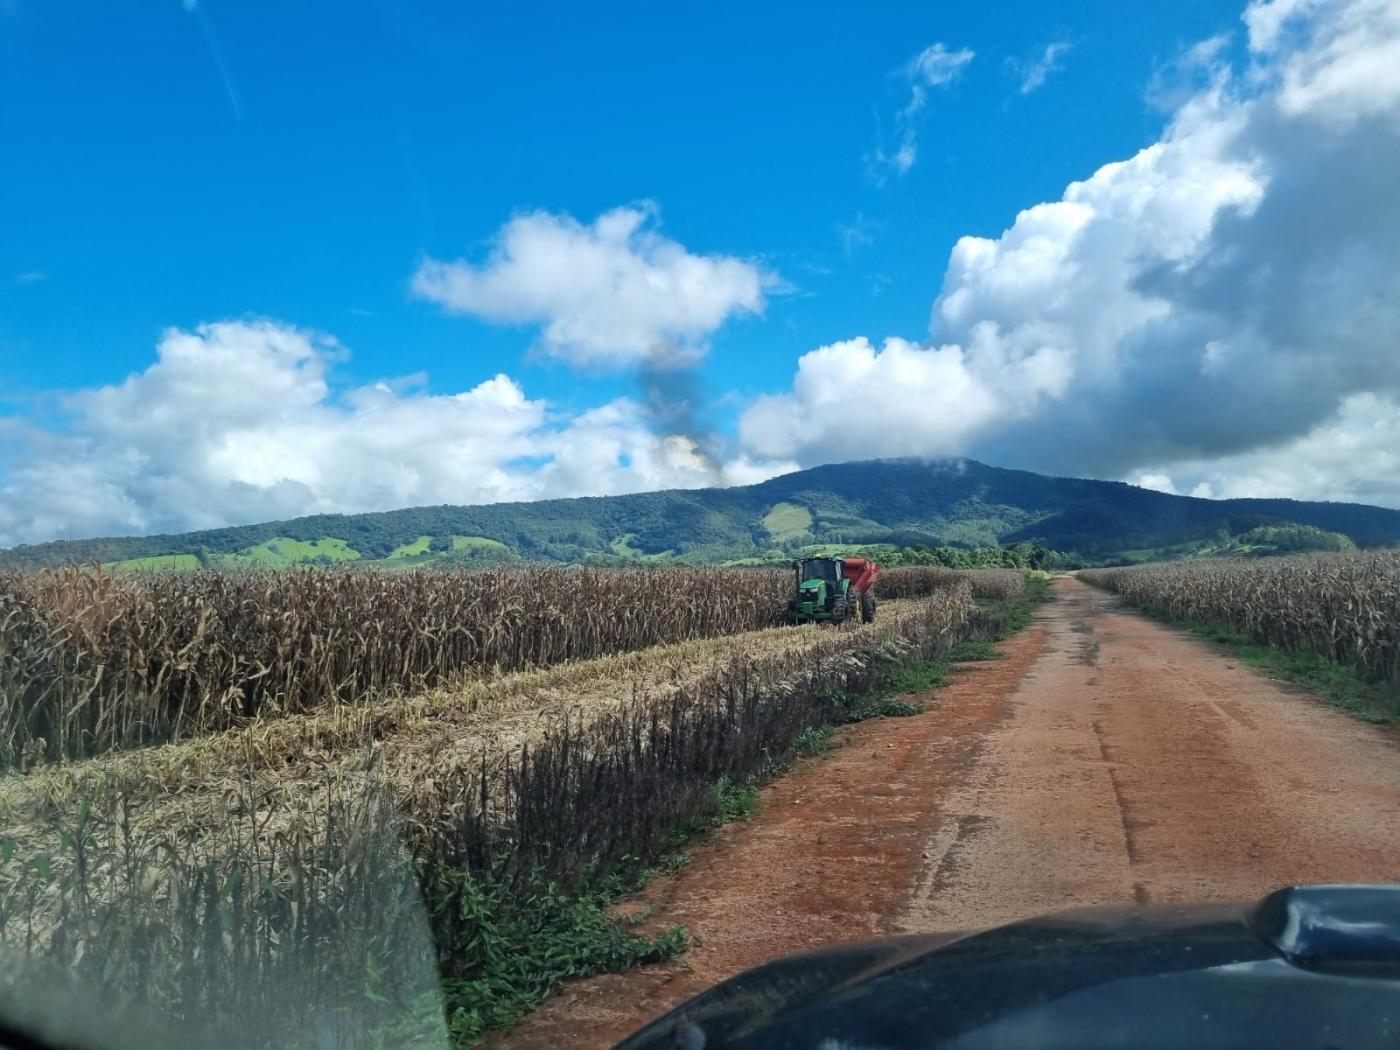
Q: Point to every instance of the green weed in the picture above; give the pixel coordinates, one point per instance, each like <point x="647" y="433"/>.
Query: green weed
<point x="520" y="946"/>
<point x="814" y="741"/>
<point x="917" y="678"/>
<point x="734" y="801"/>
<point x="965" y="652"/>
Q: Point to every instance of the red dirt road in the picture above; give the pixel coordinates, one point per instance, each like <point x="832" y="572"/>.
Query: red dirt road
<point x="1106" y="759"/>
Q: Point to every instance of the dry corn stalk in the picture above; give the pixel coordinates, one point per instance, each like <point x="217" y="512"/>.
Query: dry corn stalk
<point x="90" y="661"/>
<point x="1345" y="607"/>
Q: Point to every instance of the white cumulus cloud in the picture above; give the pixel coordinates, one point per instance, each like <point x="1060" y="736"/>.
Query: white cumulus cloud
<point x="239" y="422"/>
<point x="611" y="293"/>
<point x="901" y="400"/>
<point x="1229" y="295"/>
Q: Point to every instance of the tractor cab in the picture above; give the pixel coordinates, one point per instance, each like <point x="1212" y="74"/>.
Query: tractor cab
<point x="818" y="584"/>
<point x="834" y="589"/>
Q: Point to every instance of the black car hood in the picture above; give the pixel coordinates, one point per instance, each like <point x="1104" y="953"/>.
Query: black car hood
<point x="1309" y="967"/>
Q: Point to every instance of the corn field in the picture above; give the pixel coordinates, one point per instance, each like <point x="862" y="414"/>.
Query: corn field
<point x="1343" y="607"/>
<point x="234" y="878"/>
<point x="91" y="661"/>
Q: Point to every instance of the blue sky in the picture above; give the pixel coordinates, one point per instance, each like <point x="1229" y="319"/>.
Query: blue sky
<point x="168" y="165"/>
<point x="362" y="141"/>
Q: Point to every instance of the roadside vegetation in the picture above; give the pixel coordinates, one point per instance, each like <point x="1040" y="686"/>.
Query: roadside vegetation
<point x="1329" y="622"/>
<point x="387" y="744"/>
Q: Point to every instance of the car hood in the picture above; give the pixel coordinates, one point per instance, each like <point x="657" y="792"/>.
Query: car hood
<point x="1307" y="967"/>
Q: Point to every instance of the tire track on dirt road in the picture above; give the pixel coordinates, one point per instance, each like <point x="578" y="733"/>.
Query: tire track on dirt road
<point x="1107" y="759"/>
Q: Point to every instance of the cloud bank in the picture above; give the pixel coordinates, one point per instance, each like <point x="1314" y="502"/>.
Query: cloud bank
<point x="238" y="422"/>
<point x="1221" y="310"/>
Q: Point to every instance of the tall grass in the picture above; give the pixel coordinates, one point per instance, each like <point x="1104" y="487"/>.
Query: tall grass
<point x="91" y="661"/>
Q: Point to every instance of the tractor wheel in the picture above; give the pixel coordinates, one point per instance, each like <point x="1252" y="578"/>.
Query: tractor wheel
<point x="855" y="600"/>
<point x="840" y="609"/>
<point x="867" y="607"/>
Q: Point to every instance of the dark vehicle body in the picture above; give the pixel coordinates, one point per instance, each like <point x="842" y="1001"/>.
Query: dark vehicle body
<point x="1311" y="968"/>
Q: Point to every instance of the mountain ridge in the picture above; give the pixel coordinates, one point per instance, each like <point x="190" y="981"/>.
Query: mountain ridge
<point x="904" y="502"/>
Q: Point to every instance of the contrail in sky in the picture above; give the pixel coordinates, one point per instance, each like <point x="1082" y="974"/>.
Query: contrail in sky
<point x="194" y="8"/>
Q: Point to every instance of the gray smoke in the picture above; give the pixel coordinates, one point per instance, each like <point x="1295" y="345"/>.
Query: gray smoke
<point x="674" y="397"/>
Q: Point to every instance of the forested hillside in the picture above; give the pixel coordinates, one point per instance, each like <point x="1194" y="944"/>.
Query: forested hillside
<point x="903" y="502"/>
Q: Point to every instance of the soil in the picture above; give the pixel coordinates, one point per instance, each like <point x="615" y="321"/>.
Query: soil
<point x="1105" y="759"/>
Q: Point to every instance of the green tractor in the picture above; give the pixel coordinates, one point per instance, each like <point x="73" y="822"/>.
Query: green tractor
<point x="834" y="590"/>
